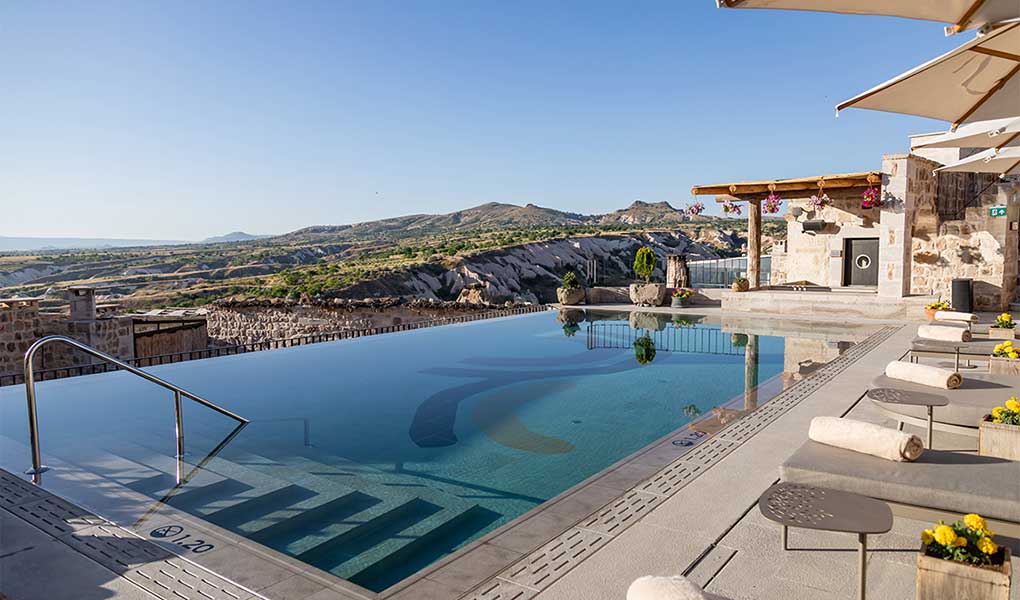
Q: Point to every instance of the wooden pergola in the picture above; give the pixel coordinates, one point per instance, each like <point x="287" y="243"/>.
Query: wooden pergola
<point x="753" y="192"/>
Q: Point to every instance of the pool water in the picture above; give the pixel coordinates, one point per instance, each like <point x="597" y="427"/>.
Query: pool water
<point x="373" y="457"/>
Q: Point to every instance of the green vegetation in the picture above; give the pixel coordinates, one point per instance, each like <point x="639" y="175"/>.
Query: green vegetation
<point x="571" y="281"/>
<point x="644" y="263"/>
<point x="644" y="350"/>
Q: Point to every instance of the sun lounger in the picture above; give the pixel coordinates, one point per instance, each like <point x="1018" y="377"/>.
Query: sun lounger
<point x="938" y="481"/>
<point x="972" y="350"/>
<point x="968" y="404"/>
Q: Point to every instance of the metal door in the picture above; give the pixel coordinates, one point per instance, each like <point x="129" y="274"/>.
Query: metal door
<point x="860" y="262"/>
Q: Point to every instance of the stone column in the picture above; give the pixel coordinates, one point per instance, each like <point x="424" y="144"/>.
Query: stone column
<point x="677" y="273"/>
<point x="754" y="243"/>
<point x="751" y="372"/>
<point x="905" y="179"/>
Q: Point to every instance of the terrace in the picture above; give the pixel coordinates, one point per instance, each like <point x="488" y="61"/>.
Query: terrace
<point x="685" y="503"/>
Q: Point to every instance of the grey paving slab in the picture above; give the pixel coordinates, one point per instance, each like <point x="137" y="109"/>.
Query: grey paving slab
<point x="471" y="569"/>
<point x="529" y="534"/>
<point x="297" y="587"/>
<point x="427" y="590"/>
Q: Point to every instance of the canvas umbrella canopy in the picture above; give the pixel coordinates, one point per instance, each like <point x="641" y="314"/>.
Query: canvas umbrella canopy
<point x="1000" y="162"/>
<point x="996" y="133"/>
<point x="975" y="82"/>
<point x="962" y="14"/>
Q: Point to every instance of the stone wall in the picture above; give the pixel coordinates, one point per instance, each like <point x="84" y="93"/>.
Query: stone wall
<point x="246" y="323"/>
<point x="816" y="257"/>
<point x="978" y="246"/>
<point x="21" y="324"/>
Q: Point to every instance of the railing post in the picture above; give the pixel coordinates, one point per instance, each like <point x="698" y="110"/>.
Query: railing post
<point x="179" y="429"/>
<point x="33" y="419"/>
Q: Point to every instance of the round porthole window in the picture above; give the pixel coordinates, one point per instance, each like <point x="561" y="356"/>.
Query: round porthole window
<point x="863" y="261"/>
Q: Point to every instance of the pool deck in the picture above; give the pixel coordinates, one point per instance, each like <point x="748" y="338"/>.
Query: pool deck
<point x="669" y="509"/>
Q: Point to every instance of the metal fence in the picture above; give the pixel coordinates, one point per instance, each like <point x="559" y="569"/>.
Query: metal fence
<point x="674" y="338"/>
<point x="315" y="338"/>
<point x="720" y="272"/>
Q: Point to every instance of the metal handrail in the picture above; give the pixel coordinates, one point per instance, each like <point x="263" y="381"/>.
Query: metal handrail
<point x="33" y="421"/>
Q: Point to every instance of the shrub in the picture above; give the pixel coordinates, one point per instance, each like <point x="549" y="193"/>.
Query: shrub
<point x="644" y="263"/>
<point x="644" y="350"/>
<point x="571" y="281"/>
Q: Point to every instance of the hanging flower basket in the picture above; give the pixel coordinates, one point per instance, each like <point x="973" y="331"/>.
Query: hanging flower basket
<point x="772" y="204"/>
<point x="730" y="207"/>
<point x="870" y="198"/>
<point x="819" y="202"/>
<point x="695" y="209"/>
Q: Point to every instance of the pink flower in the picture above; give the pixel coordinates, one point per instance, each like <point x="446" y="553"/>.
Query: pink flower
<point x="772" y="204"/>
<point x="695" y="209"/>
<point x="870" y="198"/>
<point x="730" y="207"/>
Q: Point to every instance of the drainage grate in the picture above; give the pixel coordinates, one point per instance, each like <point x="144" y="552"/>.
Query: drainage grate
<point x="57" y="517"/>
<point x="14" y="491"/>
<point x="542" y="567"/>
<point x="550" y="562"/>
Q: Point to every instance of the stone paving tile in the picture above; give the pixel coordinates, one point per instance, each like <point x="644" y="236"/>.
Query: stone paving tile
<point x="530" y="534"/>
<point x="475" y="567"/>
<point x="297" y="587"/>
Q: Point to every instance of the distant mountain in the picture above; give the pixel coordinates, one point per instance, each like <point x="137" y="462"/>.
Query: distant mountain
<point x="493" y="215"/>
<point x="644" y="213"/>
<point x="234" y="236"/>
<point x="31" y="244"/>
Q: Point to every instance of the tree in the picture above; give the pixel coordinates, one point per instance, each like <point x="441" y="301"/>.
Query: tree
<point x="644" y="263"/>
<point x="570" y="280"/>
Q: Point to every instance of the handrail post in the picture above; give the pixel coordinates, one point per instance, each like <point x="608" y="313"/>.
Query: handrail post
<point x="179" y="430"/>
<point x="33" y="421"/>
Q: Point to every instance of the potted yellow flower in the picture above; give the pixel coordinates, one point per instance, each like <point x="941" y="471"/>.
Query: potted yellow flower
<point x="1004" y="359"/>
<point x="933" y="307"/>
<point x="999" y="432"/>
<point x="962" y="561"/>
<point x="1004" y="328"/>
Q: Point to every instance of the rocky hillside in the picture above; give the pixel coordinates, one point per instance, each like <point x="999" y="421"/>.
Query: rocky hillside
<point x="531" y="272"/>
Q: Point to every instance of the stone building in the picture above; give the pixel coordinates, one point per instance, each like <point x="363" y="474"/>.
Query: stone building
<point x="929" y="229"/>
<point x="22" y="322"/>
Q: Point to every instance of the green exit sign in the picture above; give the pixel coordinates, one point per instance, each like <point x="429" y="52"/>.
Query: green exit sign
<point x="997" y="211"/>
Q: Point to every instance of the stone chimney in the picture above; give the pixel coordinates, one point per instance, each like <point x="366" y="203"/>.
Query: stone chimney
<point x="83" y="303"/>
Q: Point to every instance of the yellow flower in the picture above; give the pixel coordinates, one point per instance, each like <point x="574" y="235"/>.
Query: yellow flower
<point x="975" y="522"/>
<point x="1013" y="404"/>
<point x="960" y="542"/>
<point x="1014" y="354"/>
<point x="927" y="537"/>
<point x="945" y="535"/>
<point x="997" y="413"/>
<point x="987" y="546"/>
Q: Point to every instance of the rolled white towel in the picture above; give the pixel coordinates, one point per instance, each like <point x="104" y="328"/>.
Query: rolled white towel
<point x="950" y="315"/>
<point x="664" y="588"/>
<point x="867" y="438"/>
<point x="924" y="375"/>
<point x="944" y="334"/>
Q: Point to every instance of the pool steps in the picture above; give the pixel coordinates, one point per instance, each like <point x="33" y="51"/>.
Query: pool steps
<point x="334" y="514"/>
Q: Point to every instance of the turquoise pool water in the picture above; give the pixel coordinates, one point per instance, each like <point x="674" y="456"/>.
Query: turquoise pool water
<point x="373" y="457"/>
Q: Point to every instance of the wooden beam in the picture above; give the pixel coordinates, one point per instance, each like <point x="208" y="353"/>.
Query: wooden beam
<point x="988" y="95"/>
<point x="789" y="185"/>
<point x="996" y="53"/>
<point x="964" y="20"/>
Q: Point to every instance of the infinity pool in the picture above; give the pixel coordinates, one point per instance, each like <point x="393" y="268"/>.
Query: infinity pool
<point x="373" y="457"/>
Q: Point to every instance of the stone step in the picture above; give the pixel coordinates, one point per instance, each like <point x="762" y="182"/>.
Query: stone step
<point x="400" y="555"/>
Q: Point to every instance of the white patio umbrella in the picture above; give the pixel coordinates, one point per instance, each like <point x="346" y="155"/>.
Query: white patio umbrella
<point x="975" y="82"/>
<point x="962" y="14"/>
<point x="996" y="133"/>
<point x="1000" y="162"/>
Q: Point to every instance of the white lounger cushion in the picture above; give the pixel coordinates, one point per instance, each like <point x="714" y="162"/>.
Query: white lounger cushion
<point x="949" y="315"/>
<point x="943" y="333"/>
<point x="667" y="588"/>
<point x="951" y="481"/>
<point x="867" y="438"/>
<point x="924" y="375"/>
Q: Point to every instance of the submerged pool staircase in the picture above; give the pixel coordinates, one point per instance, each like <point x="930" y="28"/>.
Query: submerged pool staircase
<point x="364" y="524"/>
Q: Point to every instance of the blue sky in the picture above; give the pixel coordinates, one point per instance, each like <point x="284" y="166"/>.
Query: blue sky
<point x="179" y="120"/>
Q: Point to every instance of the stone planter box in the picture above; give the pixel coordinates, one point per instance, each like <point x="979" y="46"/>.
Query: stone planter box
<point x="930" y="313"/>
<point x="648" y="294"/>
<point x="740" y="286"/>
<point x="1000" y="333"/>
<point x="679" y="302"/>
<point x="999" y="440"/>
<point x="1003" y="366"/>
<point x="939" y="579"/>
<point x="570" y="296"/>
